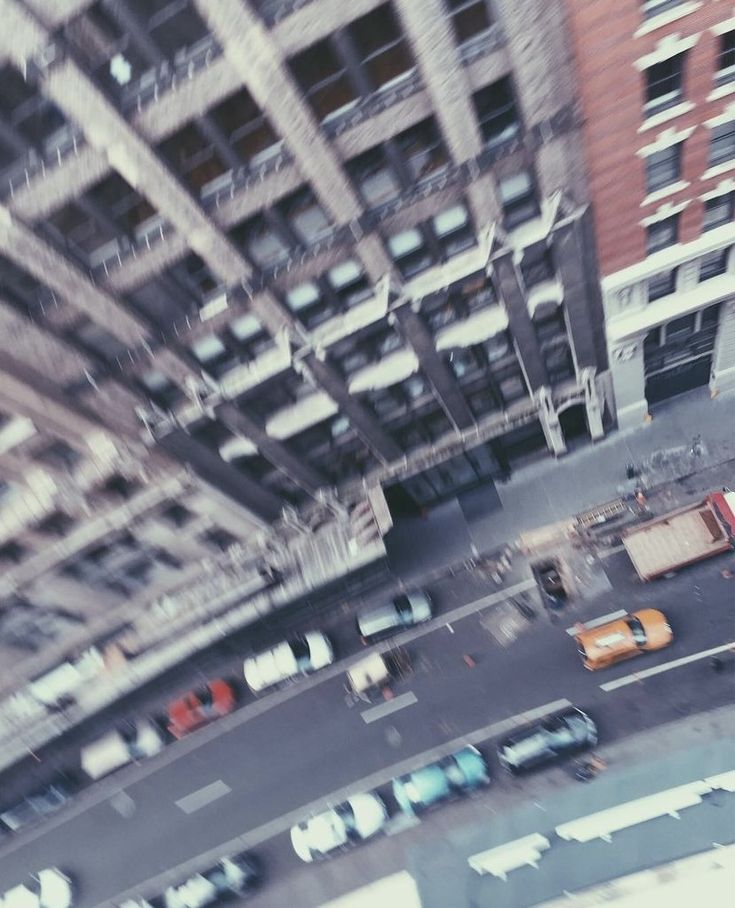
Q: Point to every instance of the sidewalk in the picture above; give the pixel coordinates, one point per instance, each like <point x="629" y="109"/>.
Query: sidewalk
<point x="689" y="445"/>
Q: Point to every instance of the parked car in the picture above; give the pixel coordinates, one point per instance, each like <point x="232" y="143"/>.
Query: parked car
<point x="462" y="771"/>
<point x="130" y="742"/>
<point x="233" y="876"/>
<point x="48" y="888"/>
<point x="299" y="656"/>
<point x="390" y="617"/>
<point x="623" y="638"/>
<point x="357" y="819"/>
<point x="547" y="741"/>
<point x="197" y="707"/>
<point x="39" y="803"/>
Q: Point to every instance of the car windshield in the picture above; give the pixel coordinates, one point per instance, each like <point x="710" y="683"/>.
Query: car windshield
<point x="204" y="696"/>
<point x="300" y="649"/>
<point x="559" y="734"/>
<point x="402" y="604"/>
<point x="347" y="815"/>
<point x="636" y="628"/>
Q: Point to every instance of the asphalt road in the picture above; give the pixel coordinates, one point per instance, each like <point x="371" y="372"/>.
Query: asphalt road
<point x="129" y="829"/>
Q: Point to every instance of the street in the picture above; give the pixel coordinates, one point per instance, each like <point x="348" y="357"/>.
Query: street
<point x="290" y="751"/>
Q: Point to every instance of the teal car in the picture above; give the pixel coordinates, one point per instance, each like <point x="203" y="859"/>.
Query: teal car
<point x="465" y="770"/>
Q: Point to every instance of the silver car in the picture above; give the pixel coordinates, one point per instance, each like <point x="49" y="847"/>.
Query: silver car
<point x="406" y="610"/>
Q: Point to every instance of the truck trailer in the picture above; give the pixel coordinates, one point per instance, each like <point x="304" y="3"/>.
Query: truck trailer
<point x="674" y="540"/>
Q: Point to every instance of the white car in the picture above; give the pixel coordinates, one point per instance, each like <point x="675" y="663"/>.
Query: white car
<point x="48" y="888"/>
<point x="299" y="656"/>
<point x="130" y="742"/>
<point x="357" y="819"/>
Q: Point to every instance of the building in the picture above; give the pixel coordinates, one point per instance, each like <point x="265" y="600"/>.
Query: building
<point x="268" y="265"/>
<point x="657" y="86"/>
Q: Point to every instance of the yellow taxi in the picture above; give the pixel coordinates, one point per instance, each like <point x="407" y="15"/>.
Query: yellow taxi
<point x="623" y="638"/>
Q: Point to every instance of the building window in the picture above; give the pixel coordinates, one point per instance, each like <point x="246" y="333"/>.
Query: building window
<point x="193" y="157"/>
<point x="176" y="514"/>
<point x="409" y="251"/>
<point x="726" y="61"/>
<point x="722" y="143"/>
<point x="496" y="112"/>
<point x="663" y="167"/>
<point x="664" y="82"/>
<point x="349" y="283"/>
<point x="323" y="79"/>
<point x="718" y="211"/>
<point x="655" y="7"/>
<point x="305" y="216"/>
<point x="264" y="246"/>
<point x="662" y="234"/>
<point x="382" y="49"/>
<point x="246" y="129"/>
<point x="713" y="264"/>
<point x="249" y="337"/>
<point x="660" y="285"/>
<point x="469" y="18"/>
<point x="518" y="195"/>
<point x="373" y="176"/>
<point x="422" y="150"/>
<point x="161" y="390"/>
<point x="453" y="229"/>
<point x="218" y="538"/>
<point x="213" y="355"/>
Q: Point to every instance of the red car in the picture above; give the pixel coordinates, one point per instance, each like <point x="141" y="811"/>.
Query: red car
<point x="199" y="707"/>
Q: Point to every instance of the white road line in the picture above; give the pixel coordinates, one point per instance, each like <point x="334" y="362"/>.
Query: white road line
<point x="203" y="796"/>
<point x="596" y="622"/>
<point x="281" y="824"/>
<point x="665" y="667"/>
<point x="391" y="706"/>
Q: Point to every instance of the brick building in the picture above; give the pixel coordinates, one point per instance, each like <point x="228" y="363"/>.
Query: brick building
<point x="262" y="259"/>
<point x="657" y="86"/>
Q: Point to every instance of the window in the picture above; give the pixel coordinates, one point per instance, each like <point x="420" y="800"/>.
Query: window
<point x="662" y="234"/>
<point x="382" y="50"/>
<point x="469" y="18"/>
<point x="161" y="390"/>
<point x="718" y="211"/>
<point x="496" y="112"/>
<point x="218" y="538"/>
<point x="664" y="84"/>
<point x="193" y="157"/>
<point x="373" y="176"/>
<point x="453" y="229"/>
<point x="247" y="130"/>
<point x="663" y="167"/>
<point x="713" y="264"/>
<point x="422" y="150"/>
<point x="726" y="62"/>
<point x="654" y="7"/>
<point x="249" y="336"/>
<point x="409" y="251"/>
<point x="722" y="143"/>
<point x="660" y="285"/>
<point x="176" y="514"/>
<point x="263" y="245"/>
<point x="213" y="355"/>
<point x="323" y="79"/>
<point x="518" y="196"/>
<point x="305" y="217"/>
<point x="349" y="282"/>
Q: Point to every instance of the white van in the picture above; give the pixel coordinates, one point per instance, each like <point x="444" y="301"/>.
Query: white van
<point x="132" y="742"/>
<point x="300" y="655"/>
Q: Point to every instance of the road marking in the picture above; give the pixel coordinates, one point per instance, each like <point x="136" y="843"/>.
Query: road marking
<point x="203" y="796"/>
<point x="596" y="622"/>
<point x="391" y="706"/>
<point x="665" y="667"/>
<point x="283" y="823"/>
<point x="137" y="772"/>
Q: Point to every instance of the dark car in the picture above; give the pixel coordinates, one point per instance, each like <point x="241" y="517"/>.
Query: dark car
<point x="460" y="772"/>
<point x="549" y="740"/>
<point x="39" y="803"/>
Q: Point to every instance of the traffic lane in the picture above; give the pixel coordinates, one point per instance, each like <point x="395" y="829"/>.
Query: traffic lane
<point x="286" y="768"/>
<point x="462" y="701"/>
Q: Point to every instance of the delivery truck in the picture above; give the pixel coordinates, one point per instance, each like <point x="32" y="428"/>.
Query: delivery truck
<point x="674" y="540"/>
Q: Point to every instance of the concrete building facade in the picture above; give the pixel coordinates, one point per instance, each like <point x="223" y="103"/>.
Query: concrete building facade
<point x="657" y="85"/>
<point x="269" y="266"/>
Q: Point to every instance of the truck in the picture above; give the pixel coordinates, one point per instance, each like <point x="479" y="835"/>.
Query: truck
<point x="682" y="537"/>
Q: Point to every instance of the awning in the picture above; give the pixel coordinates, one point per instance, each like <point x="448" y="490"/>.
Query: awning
<point x="473" y="330"/>
<point x="389" y="371"/>
<point x="299" y="416"/>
